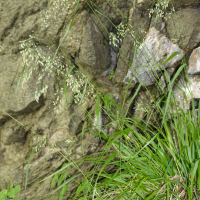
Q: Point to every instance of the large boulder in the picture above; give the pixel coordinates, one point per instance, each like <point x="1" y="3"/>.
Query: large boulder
<point x="155" y="50"/>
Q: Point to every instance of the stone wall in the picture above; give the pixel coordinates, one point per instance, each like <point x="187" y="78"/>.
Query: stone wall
<point x="30" y="33"/>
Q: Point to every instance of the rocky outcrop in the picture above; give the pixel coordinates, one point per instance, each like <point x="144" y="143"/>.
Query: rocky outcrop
<point x="186" y="91"/>
<point x="187" y="33"/>
<point x="46" y="99"/>
<point x="156" y="48"/>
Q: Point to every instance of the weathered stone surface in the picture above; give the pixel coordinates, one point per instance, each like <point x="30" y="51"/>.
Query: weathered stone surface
<point x="194" y="62"/>
<point x="94" y="51"/>
<point x="155" y="49"/>
<point x="184" y="3"/>
<point x="195" y="87"/>
<point x="177" y="4"/>
<point x="186" y="92"/>
<point x="184" y="28"/>
<point x="53" y="128"/>
<point x="18" y="100"/>
<point x="87" y="46"/>
<point x="144" y="4"/>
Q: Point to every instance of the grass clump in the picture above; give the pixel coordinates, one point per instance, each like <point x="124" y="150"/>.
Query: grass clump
<point x="153" y="162"/>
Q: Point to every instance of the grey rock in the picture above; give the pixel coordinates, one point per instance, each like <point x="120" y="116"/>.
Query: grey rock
<point x="194" y="62"/>
<point x="87" y="45"/>
<point x="155" y="50"/>
<point x="144" y="4"/>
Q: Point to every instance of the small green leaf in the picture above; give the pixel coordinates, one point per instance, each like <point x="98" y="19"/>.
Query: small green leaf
<point x="62" y="178"/>
<point x="53" y="179"/>
<point x="84" y="185"/>
<point x="3" y="194"/>
<point x="69" y="71"/>
<point x="14" y="191"/>
<point x="111" y="74"/>
<point x="17" y="189"/>
<point x="64" y="166"/>
<point x="11" y="193"/>
<point x="62" y="192"/>
<point x="11" y="185"/>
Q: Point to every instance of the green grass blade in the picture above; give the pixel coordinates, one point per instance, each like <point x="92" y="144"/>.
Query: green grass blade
<point x="69" y="71"/>
<point x="68" y="29"/>
<point x="53" y="180"/>
<point x="20" y="78"/>
<point x="62" y="178"/>
<point x="26" y="180"/>
<point x="133" y="97"/>
<point x="84" y="91"/>
<point x="170" y="89"/>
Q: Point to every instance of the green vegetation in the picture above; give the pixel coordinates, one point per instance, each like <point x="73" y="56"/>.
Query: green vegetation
<point x="111" y="74"/>
<point x="10" y="194"/>
<point x="156" y="157"/>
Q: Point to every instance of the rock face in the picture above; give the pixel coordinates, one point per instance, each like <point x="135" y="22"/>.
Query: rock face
<point x="42" y="103"/>
<point x="155" y="50"/>
<point x="194" y="62"/>
<point x="185" y="92"/>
